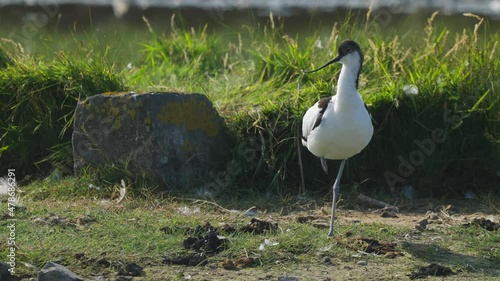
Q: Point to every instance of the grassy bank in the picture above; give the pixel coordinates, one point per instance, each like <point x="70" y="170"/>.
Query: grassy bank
<point x="252" y="75"/>
<point x="39" y="99"/>
<point x="95" y="225"/>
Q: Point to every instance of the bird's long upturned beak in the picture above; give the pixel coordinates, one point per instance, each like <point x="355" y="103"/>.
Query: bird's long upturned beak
<point x="336" y="59"/>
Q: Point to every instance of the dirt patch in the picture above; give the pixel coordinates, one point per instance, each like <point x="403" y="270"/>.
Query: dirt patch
<point x="228" y="228"/>
<point x="190" y="259"/>
<point x="124" y="270"/>
<point x="483" y="223"/>
<point x="432" y="269"/>
<point x="364" y="217"/>
<point x="53" y="219"/>
<point x="131" y="269"/>
<point x="422" y="225"/>
<point x="257" y="226"/>
<point x="314" y="221"/>
<point x="203" y="229"/>
<point x="200" y="229"/>
<point x="210" y="243"/>
<point x="388" y="214"/>
<point x="372" y="246"/>
<point x="85" y="220"/>
<point x="205" y="241"/>
<point x="241" y="262"/>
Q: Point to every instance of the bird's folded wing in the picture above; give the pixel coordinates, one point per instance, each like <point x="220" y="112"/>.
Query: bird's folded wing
<point x="308" y="122"/>
<point x="313" y="118"/>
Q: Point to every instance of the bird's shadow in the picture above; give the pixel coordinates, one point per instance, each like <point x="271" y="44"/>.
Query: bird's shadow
<point x="432" y="253"/>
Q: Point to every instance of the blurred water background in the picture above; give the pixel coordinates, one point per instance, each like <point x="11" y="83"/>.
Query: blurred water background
<point x="33" y="22"/>
<point x="484" y="7"/>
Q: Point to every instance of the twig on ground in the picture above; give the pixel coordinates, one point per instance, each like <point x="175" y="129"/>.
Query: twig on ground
<point x="374" y="202"/>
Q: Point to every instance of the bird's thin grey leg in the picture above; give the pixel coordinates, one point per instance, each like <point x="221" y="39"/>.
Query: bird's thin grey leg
<point x="324" y="165"/>
<point x="336" y="188"/>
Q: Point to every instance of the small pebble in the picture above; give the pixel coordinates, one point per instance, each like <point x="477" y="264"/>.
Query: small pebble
<point x="432" y="216"/>
<point x="362" y="263"/>
<point x="389" y="214"/>
<point x="422" y="225"/>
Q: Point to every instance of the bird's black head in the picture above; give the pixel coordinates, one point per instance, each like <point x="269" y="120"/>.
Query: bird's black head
<point x="348" y="46"/>
<point x="345" y="48"/>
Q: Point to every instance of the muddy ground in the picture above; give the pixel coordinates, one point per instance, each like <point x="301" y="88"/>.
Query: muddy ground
<point x="369" y="259"/>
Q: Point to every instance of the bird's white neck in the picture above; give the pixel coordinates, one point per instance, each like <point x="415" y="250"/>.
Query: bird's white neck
<point x="348" y="79"/>
<point x="347" y="94"/>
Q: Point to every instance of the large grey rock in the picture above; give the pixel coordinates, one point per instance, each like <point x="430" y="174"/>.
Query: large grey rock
<point x="170" y="138"/>
<point x="5" y="273"/>
<point x="56" y="272"/>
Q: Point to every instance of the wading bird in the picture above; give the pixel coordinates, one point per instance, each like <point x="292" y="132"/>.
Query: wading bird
<point x="340" y="126"/>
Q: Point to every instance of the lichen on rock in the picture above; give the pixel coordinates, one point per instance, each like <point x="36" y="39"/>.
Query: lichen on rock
<point x="172" y="138"/>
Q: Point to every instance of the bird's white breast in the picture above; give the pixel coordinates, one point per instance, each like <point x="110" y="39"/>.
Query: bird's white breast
<point x="345" y="129"/>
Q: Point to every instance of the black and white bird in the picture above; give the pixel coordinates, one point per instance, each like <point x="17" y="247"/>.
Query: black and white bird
<point x="340" y="126"/>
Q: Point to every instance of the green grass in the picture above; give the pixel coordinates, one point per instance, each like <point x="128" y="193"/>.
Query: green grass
<point x="130" y="231"/>
<point x="39" y="99"/>
<point x="252" y="73"/>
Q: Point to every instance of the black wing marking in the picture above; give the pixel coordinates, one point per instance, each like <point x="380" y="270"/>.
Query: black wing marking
<point x="323" y="104"/>
<point x="371" y="117"/>
<point x="316" y="117"/>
